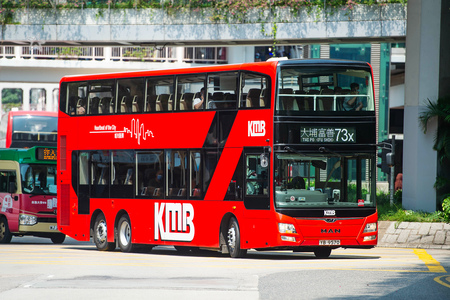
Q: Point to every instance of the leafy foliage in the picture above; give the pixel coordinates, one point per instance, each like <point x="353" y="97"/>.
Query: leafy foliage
<point x="11" y="98"/>
<point x="227" y="8"/>
<point x="386" y="212"/>
<point x="446" y="209"/>
<point x="440" y="110"/>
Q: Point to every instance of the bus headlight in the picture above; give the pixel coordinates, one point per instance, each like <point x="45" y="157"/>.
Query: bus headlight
<point x="369" y="238"/>
<point x="370" y="227"/>
<point x="27" y="220"/>
<point x="288" y="238"/>
<point x="286" y="228"/>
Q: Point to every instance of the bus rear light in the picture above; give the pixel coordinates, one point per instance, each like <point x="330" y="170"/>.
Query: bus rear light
<point x="370" y="227"/>
<point x="288" y="238"/>
<point x="369" y="238"/>
<point x="286" y="228"/>
<point x="27" y="220"/>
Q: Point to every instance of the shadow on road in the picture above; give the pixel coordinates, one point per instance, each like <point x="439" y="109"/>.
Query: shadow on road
<point x="72" y="244"/>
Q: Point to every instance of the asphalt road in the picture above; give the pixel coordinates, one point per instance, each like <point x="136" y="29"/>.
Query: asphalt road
<point x="34" y="268"/>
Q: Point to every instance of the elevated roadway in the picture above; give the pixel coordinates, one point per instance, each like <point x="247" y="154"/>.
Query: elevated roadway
<point x="157" y="27"/>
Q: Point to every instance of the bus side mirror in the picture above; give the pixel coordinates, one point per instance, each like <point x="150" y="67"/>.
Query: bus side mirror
<point x="12" y="187"/>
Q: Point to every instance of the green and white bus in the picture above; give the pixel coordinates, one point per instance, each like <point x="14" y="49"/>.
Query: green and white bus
<point x="28" y="194"/>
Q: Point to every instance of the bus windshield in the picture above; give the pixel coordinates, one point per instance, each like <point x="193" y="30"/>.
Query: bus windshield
<point x="334" y="88"/>
<point x="34" y="128"/>
<point x="38" y="179"/>
<point x="324" y="180"/>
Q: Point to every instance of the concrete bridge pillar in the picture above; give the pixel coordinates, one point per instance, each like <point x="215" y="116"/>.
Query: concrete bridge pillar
<point x="26" y="97"/>
<point x="423" y="39"/>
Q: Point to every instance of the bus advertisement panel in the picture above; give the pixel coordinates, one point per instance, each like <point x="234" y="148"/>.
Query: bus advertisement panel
<point x="271" y="155"/>
<point x="28" y="194"/>
<point x="26" y="129"/>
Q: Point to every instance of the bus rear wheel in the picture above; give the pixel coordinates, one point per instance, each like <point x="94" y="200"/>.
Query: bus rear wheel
<point x="124" y="234"/>
<point x="322" y="252"/>
<point x="101" y="233"/>
<point x="5" y="234"/>
<point x="234" y="240"/>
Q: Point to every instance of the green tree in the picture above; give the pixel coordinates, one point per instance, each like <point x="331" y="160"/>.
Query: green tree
<point x="11" y="98"/>
<point x="440" y="110"/>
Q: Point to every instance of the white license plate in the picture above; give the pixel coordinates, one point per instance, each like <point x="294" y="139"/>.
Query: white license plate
<point x="53" y="227"/>
<point x="329" y="242"/>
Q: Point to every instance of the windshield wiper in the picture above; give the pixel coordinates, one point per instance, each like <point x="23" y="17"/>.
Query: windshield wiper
<point x="293" y="150"/>
<point x="326" y="150"/>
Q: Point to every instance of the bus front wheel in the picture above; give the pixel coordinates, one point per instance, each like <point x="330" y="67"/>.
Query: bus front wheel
<point x="234" y="240"/>
<point x="5" y="234"/>
<point x="100" y="234"/>
<point x="322" y="252"/>
<point x="124" y="234"/>
<point x="58" y="238"/>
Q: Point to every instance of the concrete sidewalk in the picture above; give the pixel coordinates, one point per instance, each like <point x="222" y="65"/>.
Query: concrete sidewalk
<point x="414" y="235"/>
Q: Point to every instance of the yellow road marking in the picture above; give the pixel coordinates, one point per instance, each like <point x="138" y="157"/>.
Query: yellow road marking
<point x="440" y="281"/>
<point x="432" y="264"/>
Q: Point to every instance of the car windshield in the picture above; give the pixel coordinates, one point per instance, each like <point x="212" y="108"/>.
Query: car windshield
<point x="324" y="180"/>
<point x="38" y="179"/>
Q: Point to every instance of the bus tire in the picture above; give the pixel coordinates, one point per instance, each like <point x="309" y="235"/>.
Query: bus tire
<point x="322" y="252"/>
<point x="101" y="233"/>
<point x="124" y="234"/>
<point x="58" y="238"/>
<point x="234" y="240"/>
<point x="5" y="234"/>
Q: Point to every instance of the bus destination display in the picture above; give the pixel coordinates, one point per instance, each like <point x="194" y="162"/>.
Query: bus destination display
<point x="46" y="153"/>
<point x="310" y="134"/>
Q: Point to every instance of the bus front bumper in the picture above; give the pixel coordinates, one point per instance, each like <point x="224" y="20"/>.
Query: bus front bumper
<point x="39" y="228"/>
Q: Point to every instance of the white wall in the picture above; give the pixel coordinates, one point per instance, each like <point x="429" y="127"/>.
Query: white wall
<point x="397" y="95"/>
<point x="241" y="54"/>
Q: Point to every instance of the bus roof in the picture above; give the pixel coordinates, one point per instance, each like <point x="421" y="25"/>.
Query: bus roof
<point x="29" y="155"/>
<point x="253" y="66"/>
<point x="33" y="113"/>
<point x="162" y="72"/>
<point x="325" y="62"/>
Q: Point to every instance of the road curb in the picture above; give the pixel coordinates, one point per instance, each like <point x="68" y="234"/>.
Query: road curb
<point x="414" y="235"/>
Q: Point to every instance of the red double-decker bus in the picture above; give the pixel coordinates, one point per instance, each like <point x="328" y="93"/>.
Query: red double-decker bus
<point x="271" y="155"/>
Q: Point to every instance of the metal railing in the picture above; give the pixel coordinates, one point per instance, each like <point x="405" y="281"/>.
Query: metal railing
<point x="7" y="52"/>
<point x="65" y="53"/>
<point x="166" y="54"/>
<point x="210" y="55"/>
<point x="215" y="55"/>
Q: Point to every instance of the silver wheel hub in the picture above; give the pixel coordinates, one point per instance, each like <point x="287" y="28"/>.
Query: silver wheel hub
<point x="2" y="230"/>
<point x="125" y="233"/>
<point x="101" y="232"/>
<point x="231" y="237"/>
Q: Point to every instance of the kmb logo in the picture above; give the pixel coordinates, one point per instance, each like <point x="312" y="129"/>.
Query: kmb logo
<point x="177" y="224"/>
<point x="256" y="128"/>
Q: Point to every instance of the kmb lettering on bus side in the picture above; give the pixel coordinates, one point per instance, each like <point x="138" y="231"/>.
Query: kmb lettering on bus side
<point x="173" y="221"/>
<point x="256" y="128"/>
